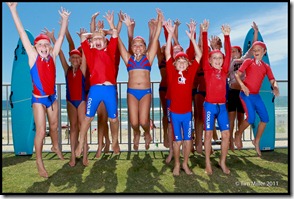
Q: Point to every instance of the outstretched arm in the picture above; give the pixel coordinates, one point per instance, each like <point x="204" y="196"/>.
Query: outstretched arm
<point x="93" y="22"/>
<point x="130" y="23"/>
<point x="191" y="34"/>
<point x="170" y="29"/>
<point x="151" y="53"/>
<point x="83" y="66"/>
<point x="64" y="15"/>
<point x="32" y="53"/>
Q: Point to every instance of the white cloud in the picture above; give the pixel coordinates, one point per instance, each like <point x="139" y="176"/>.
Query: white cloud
<point x="273" y="25"/>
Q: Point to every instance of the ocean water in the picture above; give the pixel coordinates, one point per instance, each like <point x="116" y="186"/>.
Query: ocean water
<point x="155" y="112"/>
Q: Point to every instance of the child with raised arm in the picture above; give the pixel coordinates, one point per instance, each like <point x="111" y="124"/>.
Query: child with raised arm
<point x="255" y="70"/>
<point x="100" y="58"/>
<point x="216" y="66"/>
<point x="102" y="117"/>
<point x="75" y="74"/>
<point x="235" y="108"/>
<point x="42" y="58"/>
<point x="180" y="75"/>
<point x="139" y="84"/>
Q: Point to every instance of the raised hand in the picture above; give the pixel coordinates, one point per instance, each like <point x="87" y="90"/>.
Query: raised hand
<point x="64" y="13"/>
<point x="48" y="33"/>
<point x="226" y="29"/>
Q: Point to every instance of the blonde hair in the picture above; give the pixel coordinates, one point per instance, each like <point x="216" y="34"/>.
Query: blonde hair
<point x="98" y="33"/>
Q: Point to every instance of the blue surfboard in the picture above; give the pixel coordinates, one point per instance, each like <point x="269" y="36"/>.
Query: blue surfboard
<point x="22" y="118"/>
<point x="267" y="141"/>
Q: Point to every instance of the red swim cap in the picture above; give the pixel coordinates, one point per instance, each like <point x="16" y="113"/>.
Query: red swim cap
<point x="40" y="37"/>
<point x="215" y="51"/>
<point x="75" y="52"/>
<point x="181" y="54"/>
<point x="238" y="47"/>
<point x="260" y="43"/>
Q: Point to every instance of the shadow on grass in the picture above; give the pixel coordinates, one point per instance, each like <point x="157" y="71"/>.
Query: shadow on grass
<point x="143" y="176"/>
<point x="67" y="176"/>
<point x="102" y="177"/>
<point x="14" y="160"/>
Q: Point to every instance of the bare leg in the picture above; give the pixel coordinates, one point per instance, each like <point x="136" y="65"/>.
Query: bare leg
<point x="40" y="121"/>
<point x="136" y="140"/>
<point x="224" y="151"/>
<point x="255" y="142"/>
<point x="144" y="118"/>
<point x="102" y="117"/>
<point x="176" y="146"/>
<point x="170" y="140"/>
<point x="74" y="131"/>
<point x="232" y="116"/>
<point x="186" y="148"/>
<point x="114" y="127"/>
<point x="52" y="113"/>
<point x="85" y="153"/>
<point x="165" y="132"/>
<point x="199" y="123"/>
<point x="207" y="147"/>
<point x="238" y="134"/>
<point x="166" y="142"/>
<point x="83" y="134"/>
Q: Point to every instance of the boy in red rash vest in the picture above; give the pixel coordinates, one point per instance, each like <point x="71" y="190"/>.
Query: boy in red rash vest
<point x="216" y="66"/>
<point x="235" y="107"/>
<point x="255" y="70"/>
<point x="100" y="59"/>
<point x="180" y="80"/>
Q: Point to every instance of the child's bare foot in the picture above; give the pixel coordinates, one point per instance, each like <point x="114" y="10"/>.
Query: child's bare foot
<point x="99" y="151"/>
<point x="148" y="140"/>
<point x="238" y="140"/>
<point x="199" y="149"/>
<point x="232" y="147"/>
<point x="176" y="171"/>
<point x="211" y="151"/>
<point x="169" y="158"/>
<point x="257" y="149"/>
<point x="41" y="169"/>
<point x="85" y="161"/>
<point x="224" y="167"/>
<point x="79" y="150"/>
<point x="107" y="145"/>
<point x="187" y="170"/>
<point x="208" y="169"/>
<point x="58" y="153"/>
<point x="115" y="147"/>
<point x="165" y="142"/>
<point x="72" y="161"/>
<point x="136" y="141"/>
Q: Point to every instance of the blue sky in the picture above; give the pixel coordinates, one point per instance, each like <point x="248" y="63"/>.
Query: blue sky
<point x="271" y="18"/>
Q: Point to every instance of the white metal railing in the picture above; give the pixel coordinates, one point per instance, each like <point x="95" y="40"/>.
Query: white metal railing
<point x="125" y="133"/>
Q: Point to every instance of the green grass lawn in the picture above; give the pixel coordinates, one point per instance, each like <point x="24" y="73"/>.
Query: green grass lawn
<point x="146" y="172"/>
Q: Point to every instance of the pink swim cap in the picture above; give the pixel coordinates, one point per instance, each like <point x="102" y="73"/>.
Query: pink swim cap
<point x="40" y="37"/>
<point x="141" y="38"/>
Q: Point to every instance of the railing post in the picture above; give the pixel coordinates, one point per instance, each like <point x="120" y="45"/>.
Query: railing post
<point x="59" y="116"/>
